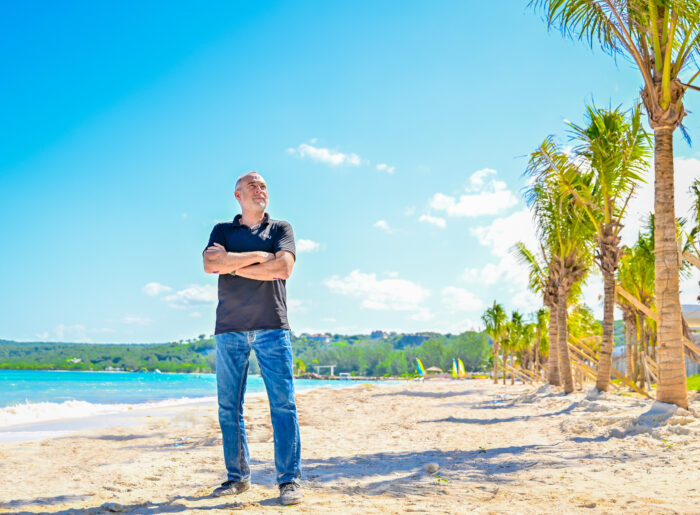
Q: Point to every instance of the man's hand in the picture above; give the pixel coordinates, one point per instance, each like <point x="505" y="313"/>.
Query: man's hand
<point x="278" y="268"/>
<point x="218" y="261"/>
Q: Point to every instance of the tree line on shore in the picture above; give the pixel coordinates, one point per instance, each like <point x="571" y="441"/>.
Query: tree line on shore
<point x="354" y="354"/>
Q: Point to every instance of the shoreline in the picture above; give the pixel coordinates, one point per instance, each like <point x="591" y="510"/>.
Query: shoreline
<point x="122" y="415"/>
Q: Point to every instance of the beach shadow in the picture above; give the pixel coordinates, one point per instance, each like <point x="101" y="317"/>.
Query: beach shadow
<point x="115" y="438"/>
<point x="489" y="421"/>
<point x="44" y="501"/>
<point x="404" y="474"/>
<point x="147" y="508"/>
<point x="409" y="393"/>
<point x="183" y="444"/>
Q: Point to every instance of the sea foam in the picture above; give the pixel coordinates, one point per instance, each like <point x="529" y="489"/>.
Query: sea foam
<point x="35" y="412"/>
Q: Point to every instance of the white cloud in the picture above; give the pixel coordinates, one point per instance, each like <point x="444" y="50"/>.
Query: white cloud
<point x="325" y="155"/>
<point x="193" y="295"/>
<point x="484" y="196"/>
<point x="490" y="274"/>
<point x="379" y="294"/>
<point x="195" y="314"/>
<point x="42" y="336"/>
<point x="502" y="233"/>
<point x="307" y="246"/>
<point x="297" y="306"/>
<point x="526" y="301"/>
<point x="77" y="332"/>
<point x="136" y="320"/>
<point x="382" y="225"/>
<point x="433" y="220"/>
<point x="459" y="299"/>
<point x="422" y="315"/>
<point x="409" y="210"/>
<point x="383" y="167"/>
<point x="155" y="289"/>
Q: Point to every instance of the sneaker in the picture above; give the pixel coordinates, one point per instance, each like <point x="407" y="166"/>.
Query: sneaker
<point x="231" y="488"/>
<point x="290" y="493"/>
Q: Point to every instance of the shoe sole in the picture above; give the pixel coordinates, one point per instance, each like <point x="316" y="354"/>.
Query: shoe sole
<point x="231" y="491"/>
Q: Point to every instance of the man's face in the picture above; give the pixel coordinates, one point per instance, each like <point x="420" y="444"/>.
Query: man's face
<point x="252" y="192"/>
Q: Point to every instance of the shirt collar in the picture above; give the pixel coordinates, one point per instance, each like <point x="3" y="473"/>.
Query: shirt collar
<point x="237" y="220"/>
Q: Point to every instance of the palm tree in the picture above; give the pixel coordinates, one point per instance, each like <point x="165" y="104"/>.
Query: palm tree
<point x="636" y="276"/>
<point x="541" y="329"/>
<point x="516" y="328"/>
<point x="608" y="162"/>
<point x="567" y="236"/>
<point x="661" y="37"/>
<point x="494" y="319"/>
<point x="541" y="280"/>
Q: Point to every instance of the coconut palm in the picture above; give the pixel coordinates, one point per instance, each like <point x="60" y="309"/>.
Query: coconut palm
<point x="608" y="162"/>
<point x="662" y="38"/>
<point x="541" y="280"/>
<point x="515" y="340"/>
<point x="495" y="320"/>
<point x="567" y="235"/>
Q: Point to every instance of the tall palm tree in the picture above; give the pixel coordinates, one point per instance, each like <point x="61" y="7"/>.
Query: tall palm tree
<point x="568" y="237"/>
<point x="609" y="160"/>
<point x="495" y="320"/>
<point x="662" y="38"/>
<point x="541" y="280"/>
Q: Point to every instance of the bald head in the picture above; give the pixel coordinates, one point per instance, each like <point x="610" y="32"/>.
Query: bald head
<point x="251" y="176"/>
<point x="251" y="193"/>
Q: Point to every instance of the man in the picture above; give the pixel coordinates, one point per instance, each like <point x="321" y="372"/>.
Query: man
<point x="253" y="255"/>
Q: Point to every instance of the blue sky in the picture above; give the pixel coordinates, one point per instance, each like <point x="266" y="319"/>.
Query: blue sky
<point x="392" y="136"/>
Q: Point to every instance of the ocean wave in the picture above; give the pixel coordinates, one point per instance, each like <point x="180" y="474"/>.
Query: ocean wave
<point x="35" y="412"/>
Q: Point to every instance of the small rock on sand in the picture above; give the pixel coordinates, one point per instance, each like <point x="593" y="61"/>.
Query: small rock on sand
<point x="432" y="468"/>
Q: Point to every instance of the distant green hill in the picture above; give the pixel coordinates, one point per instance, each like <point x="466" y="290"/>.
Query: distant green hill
<point x="390" y="354"/>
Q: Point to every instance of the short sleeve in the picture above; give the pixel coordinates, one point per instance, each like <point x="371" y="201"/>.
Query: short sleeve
<point x="285" y="239"/>
<point x="217" y="236"/>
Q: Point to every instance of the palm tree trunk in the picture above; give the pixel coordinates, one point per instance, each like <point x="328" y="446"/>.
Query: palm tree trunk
<point x="495" y="362"/>
<point x="512" y="375"/>
<point x="503" y="355"/>
<point x="553" y="358"/>
<point x="563" y="334"/>
<point x="672" y="381"/>
<point x="629" y="344"/>
<point x="605" y="363"/>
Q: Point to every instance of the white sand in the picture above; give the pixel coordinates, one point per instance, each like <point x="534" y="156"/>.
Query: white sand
<point x="368" y="449"/>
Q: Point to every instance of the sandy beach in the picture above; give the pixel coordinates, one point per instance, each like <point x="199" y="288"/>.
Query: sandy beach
<point x="433" y="447"/>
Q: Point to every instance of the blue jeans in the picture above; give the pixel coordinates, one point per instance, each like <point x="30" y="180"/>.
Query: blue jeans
<point x="273" y="348"/>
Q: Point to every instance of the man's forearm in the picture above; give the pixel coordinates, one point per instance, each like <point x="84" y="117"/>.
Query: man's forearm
<point x="277" y="268"/>
<point x="232" y="261"/>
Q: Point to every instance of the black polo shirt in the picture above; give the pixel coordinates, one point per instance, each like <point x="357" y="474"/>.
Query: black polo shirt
<point x="249" y="304"/>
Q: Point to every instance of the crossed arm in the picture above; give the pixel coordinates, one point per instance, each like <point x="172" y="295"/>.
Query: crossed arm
<point x="259" y="265"/>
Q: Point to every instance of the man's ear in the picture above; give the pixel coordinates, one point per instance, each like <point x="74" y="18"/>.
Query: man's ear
<point x="237" y="194"/>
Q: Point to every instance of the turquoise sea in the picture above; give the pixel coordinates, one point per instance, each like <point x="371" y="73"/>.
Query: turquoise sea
<point x="30" y="396"/>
